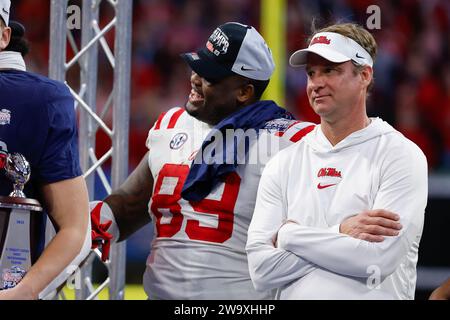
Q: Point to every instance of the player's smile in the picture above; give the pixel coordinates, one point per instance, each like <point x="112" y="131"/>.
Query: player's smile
<point x="196" y="98"/>
<point x="196" y="104"/>
<point x="211" y="102"/>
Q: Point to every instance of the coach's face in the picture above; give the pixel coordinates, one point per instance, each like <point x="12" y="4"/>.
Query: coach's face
<point x="212" y="102"/>
<point x="334" y="89"/>
<point x="5" y="35"/>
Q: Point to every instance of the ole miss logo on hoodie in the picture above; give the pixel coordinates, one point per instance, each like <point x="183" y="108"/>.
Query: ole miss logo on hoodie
<point x="328" y="177"/>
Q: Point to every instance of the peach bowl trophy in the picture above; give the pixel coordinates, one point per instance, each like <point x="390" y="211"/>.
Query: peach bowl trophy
<point x="19" y="223"/>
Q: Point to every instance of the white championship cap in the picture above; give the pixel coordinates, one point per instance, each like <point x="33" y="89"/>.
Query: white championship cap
<point x="335" y="48"/>
<point x="4" y="10"/>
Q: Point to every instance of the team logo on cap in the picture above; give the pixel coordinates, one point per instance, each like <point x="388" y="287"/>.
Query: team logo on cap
<point x="5" y="117"/>
<point x="178" y="140"/>
<point x="218" y="42"/>
<point x="320" y="39"/>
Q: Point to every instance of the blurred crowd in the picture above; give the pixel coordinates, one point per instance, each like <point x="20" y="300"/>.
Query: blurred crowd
<point x="412" y="70"/>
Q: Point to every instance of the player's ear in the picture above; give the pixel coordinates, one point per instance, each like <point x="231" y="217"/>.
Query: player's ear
<point x="5" y="37"/>
<point x="246" y="93"/>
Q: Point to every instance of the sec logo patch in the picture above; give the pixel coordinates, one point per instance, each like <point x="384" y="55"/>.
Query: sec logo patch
<point x="178" y="140"/>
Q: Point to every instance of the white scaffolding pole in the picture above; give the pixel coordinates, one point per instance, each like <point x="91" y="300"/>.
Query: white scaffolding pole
<point x="91" y="116"/>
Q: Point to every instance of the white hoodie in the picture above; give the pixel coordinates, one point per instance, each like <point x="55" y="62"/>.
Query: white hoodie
<point x="319" y="186"/>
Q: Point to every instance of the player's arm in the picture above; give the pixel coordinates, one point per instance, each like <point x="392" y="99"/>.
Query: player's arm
<point x="442" y="292"/>
<point x="403" y="190"/>
<point x="129" y="203"/>
<point x="271" y="267"/>
<point x="126" y="210"/>
<point x="67" y="204"/>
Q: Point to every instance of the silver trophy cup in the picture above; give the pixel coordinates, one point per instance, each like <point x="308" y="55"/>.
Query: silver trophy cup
<point x="17" y="170"/>
<point x="19" y="224"/>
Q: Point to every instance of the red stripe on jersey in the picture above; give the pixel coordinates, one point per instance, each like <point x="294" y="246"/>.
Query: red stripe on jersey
<point x="281" y="133"/>
<point x="296" y="137"/>
<point x="174" y="119"/>
<point x="293" y="124"/>
<point x="158" y="122"/>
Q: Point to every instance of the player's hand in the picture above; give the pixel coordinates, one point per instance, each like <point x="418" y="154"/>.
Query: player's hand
<point x="100" y="227"/>
<point x="442" y="292"/>
<point x="372" y="225"/>
<point x="438" y="294"/>
<point x="17" y="293"/>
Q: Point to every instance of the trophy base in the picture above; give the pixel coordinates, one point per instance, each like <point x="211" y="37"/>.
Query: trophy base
<point x="20" y="203"/>
<point x="20" y="238"/>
